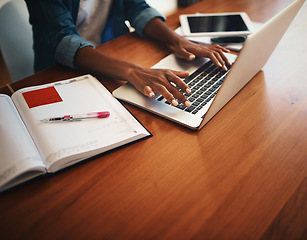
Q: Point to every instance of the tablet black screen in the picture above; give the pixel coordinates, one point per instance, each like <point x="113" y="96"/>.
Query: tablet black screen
<point x="223" y="23"/>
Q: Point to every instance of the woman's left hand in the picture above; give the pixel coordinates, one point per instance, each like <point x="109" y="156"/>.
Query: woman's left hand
<point x="189" y="50"/>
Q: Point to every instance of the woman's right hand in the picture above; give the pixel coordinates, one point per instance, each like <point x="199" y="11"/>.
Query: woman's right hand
<point x="166" y="82"/>
<point x="146" y="80"/>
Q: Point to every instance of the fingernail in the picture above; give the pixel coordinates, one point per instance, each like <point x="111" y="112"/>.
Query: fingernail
<point x="151" y="94"/>
<point x="174" y="103"/>
<point x="187" y="104"/>
<point x="188" y="91"/>
<point x="191" y="57"/>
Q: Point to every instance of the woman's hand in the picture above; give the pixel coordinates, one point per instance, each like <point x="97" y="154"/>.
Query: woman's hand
<point x="167" y="82"/>
<point x="148" y="81"/>
<point x="183" y="48"/>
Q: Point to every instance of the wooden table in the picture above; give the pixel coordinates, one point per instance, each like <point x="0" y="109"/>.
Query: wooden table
<point x="243" y="176"/>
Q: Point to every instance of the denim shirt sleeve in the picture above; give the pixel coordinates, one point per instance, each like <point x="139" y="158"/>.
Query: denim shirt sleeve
<point x="56" y="38"/>
<point x="139" y="13"/>
<point x="143" y="18"/>
<point x="67" y="48"/>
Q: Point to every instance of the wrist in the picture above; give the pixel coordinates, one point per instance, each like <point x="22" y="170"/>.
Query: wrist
<point x="175" y="40"/>
<point x="130" y="71"/>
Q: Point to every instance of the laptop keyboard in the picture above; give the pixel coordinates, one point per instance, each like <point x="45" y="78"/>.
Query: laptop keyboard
<point x="204" y="84"/>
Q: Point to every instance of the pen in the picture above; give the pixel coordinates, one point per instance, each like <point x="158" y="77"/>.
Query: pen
<point x="77" y="117"/>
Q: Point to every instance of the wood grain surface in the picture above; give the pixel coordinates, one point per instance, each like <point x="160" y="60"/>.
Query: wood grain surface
<point x="243" y="176"/>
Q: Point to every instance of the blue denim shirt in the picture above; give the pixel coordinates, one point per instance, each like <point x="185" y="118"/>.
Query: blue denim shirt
<point x="56" y="38"/>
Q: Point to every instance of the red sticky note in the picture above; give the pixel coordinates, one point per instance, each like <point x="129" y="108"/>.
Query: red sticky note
<point x="41" y="97"/>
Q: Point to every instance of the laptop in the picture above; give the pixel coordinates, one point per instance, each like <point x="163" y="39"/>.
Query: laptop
<point x="214" y="87"/>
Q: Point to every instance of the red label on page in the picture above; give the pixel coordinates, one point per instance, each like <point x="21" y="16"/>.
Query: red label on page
<point x="42" y="97"/>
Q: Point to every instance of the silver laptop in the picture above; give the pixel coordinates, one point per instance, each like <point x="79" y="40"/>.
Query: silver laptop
<point x="212" y="87"/>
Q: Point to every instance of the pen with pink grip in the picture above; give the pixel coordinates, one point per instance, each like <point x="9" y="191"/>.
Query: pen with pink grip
<point x="77" y="117"/>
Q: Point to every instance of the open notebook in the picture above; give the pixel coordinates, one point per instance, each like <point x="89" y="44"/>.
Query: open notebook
<point x="30" y="145"/>
<point x="256" y="51"/>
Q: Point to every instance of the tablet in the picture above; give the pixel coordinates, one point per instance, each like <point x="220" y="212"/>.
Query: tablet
<point x="216" y="24"/>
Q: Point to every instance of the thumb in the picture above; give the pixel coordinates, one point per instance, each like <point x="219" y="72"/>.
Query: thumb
<point x="183" y="53"/>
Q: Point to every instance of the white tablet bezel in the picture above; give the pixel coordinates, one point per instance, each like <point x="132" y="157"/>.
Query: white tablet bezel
<point x="186" y="29"/>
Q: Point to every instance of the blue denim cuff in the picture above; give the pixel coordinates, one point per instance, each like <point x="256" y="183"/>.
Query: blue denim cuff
<point x="143" y="18"/>
<point x="67" y="48"/>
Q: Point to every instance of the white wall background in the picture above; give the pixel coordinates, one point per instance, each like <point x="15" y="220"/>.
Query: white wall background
<point x="166" y="7"/>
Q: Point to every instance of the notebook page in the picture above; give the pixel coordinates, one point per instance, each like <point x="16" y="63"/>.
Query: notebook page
<point x="73" y="141"/>
<point x="18" y="152"/>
